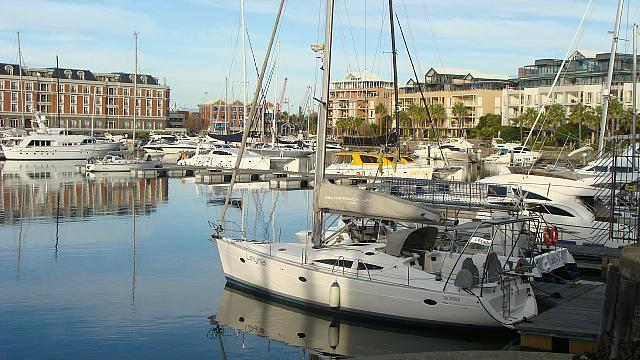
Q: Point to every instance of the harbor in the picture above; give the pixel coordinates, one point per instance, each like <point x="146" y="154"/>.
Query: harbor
<point x="252" y="199"/>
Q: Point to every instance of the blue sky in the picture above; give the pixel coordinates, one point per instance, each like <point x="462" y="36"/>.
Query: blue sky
<point x="194" y="45"/>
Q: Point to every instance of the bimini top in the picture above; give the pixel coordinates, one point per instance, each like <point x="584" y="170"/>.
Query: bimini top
<point x="371" y="204"/>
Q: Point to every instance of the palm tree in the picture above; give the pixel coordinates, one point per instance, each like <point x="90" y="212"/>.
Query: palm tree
<point x="526" y="119"/>
<point x="417" y="115"/>
<point x="556" y="115"/>
<point x="438" y="115"/>
<point x="356" y="122"/>
<point x="580" y="113"/>
<point x="460" y="111"/>
<point x="381" y="114"/>
<point x="342" y="125"/>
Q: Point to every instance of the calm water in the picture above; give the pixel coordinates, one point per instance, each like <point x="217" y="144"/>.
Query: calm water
<point x="116" y="267"/>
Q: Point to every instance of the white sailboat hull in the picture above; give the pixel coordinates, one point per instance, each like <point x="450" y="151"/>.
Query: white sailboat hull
<point x="125" y="166"/>
<point x="262" y="267"/>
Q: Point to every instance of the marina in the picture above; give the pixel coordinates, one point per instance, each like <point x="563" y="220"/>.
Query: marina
<point x="334" y="203"/>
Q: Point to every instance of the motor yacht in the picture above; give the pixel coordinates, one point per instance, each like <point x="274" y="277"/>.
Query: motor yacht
<point x="455" y="150"/>
<point x="517" y="156"/>
<point x="53" y="144"/>
<point x="224" y="156"/>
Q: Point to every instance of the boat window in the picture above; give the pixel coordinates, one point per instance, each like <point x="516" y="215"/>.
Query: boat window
<point x="88" y="141"/>
<point x="336" y="262"/>
<point x="530" y="195"/>
<point x="621" y="169"/>
<point x="495" y="190"/>
<point x="343" y="159"/>
<point x="407" y="159"/>
<point x="367" y="266"/>
<point x="552" y="210"/>
<point x="220" y="152"/>
<point x="368" y="159"/>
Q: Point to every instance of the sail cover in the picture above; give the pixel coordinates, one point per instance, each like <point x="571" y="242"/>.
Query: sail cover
<point x="371" y="204"/>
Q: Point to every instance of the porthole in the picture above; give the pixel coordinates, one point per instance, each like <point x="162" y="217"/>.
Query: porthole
<point x="369" y="253"/>
<point x="282" y="249"/>
<point x="302" y="278"/>
<point x="430" y="302"/>
<point x="241" y="319"/>
<point x="302" y="335"/>
<point x="242" y="260"/>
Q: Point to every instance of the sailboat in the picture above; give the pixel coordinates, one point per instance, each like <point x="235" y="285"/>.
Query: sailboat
<point x="407" y="279"/>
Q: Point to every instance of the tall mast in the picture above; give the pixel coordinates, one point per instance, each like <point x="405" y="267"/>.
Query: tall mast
<point x="395" y="76"/>
<point x="607" y="90"/>
<point x="93" y="113"/>
<point x="21" y="84"/>
<point x="276" y="106"/>
<point x="634" y="96"/>
<point x="226" y="106"/>
<point x="135" y="90"/>
<point x="58" y="91"/>
<point x="322" y="123"/>
<point x="244" y="66"/>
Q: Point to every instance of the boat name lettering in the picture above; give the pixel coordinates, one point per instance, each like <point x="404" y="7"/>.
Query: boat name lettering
<point x="257" y="260"/>
<point x="451" y="298"/>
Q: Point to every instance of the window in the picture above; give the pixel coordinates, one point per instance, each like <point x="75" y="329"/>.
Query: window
<point x="552" y="210"/>
<point x="9" y="69"/>
<point x="74" y="109"/>
<point x="126" y="91"/>
<point x="368" y="159"/>
<point x="85" y="89"/>
<point x="148" y="93"/>
<point x="125" y="111"/>
<point x="98" y="90"/>
<point x="148" y="103"/>
<point x="336" y="262"/>
<point x="28" y="86"/>
<point x="126" y="101"/>
<point x="111" y="111"/>
<point x="14" y="85"/>
<point x="85" y="109"/>
<point x="28" y="108"/>
<point x="29" y="97"/>
<point x="44" y="87"/>
<point x="85" y="100"/>
<point x="112" y="101"/>
<point x="73" y="89"/>
<point x="98" y="101"/>
<point x="367" y="266"/>
<point x="74" y="100"/>
<point x="111" y="91"/>
<point x="14" y="96"/>
<point x="14" y="107"/>
<point x="159" y="111"/>
<point x="60" y="88"/>
<point x="44" y="98"/>
<point x="80" y="75"/>
<point x="1" y="85"/>
<point x="148" y="111"/>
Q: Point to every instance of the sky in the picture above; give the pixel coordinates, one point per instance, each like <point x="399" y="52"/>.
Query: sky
<point x="194" y="45"/>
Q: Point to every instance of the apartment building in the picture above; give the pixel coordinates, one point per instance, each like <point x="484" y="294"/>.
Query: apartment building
<point x="357" y="96"/>
<point x="582" y="81"/>
<point x="81" y="99"/>
<point x="222" y="118"/>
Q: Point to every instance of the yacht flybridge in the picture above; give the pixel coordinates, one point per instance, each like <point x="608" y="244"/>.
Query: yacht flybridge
<point x="408" y="278"/>
<point x="53" y="144"/>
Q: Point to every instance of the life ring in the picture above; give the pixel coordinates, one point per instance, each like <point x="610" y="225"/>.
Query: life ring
<point x="554" y="232"/>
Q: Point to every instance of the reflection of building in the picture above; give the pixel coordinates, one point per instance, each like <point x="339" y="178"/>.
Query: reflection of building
<point x="81" y="95"/>
<point x="76" y="197"/>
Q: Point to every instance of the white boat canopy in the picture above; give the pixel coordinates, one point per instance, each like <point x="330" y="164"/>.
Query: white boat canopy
<point x="366" y="203"/>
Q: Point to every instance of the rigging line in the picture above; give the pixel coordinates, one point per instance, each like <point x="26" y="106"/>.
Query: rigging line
<point x="365" y="36"/>
<point x="379" y="44"/>
<point x="353" y="39"/>
<point x="422" y="96"/>
<point x="433" y="37"/>
<point x="344" y="43"/>
<point x="413" y="40"/>
<point x="555" y="81"/>
<point x="253" y="55"/>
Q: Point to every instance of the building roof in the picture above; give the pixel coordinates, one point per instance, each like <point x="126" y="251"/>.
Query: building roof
<point x="15" y="67"/>
<point x="354" y="76"/>
<point x="589" y="54"/>
<point x="464" y="72"/>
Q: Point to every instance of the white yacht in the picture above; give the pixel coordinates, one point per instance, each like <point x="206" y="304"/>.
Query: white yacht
<point x="516" y="155"/>
<point x="567" y="204"/>
<point x="224" y="156"/>
<point x="282" y="150"/>
<point x="455" y="150"/>
<point x="115" y="163"/>
<point x="53" y="144"/>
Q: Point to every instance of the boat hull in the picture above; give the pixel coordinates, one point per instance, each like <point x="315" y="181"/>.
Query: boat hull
<point x="304" y="283"/>
<point x="81" y="152"/>
<point x="121" y="167"/>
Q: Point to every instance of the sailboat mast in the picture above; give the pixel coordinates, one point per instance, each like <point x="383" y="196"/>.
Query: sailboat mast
<point x="323" y="116"/>
<point x="135" y="89"/>
<point x="226" y="106"/>
<point x="634" y="95"/>
<point x="57" y="92"/>
<point x="276" y="106"/>
<point x="21" y="83"/>
<point x="244" y="65"/>
<point x="607" y="90"/>
<point x="93" y="112"/>
<point x="395" y="75"/>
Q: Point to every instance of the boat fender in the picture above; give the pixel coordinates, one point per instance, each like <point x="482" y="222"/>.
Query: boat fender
<point x="334" y="295"/>
<point x="334" y="334"/>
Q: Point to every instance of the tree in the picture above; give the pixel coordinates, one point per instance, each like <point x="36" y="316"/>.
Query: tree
<point x="579" y="114"/>
<point x="417" y="115"/>
<point x="525" y="120"/>
<point x="460" y="111"/>
<point x="342" y="124"/>
<point x="382" y="114"/>
<point x="356" y="122"/>
<point x="438" y="115"/>
<point x="488" y="126"/>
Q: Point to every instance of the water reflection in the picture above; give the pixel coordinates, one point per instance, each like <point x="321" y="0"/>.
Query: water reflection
<point x="57" y="190"/>
<point x="240" y="313"/>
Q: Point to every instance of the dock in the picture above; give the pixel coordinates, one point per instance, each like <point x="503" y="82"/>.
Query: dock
<point x="572" y="322"/>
